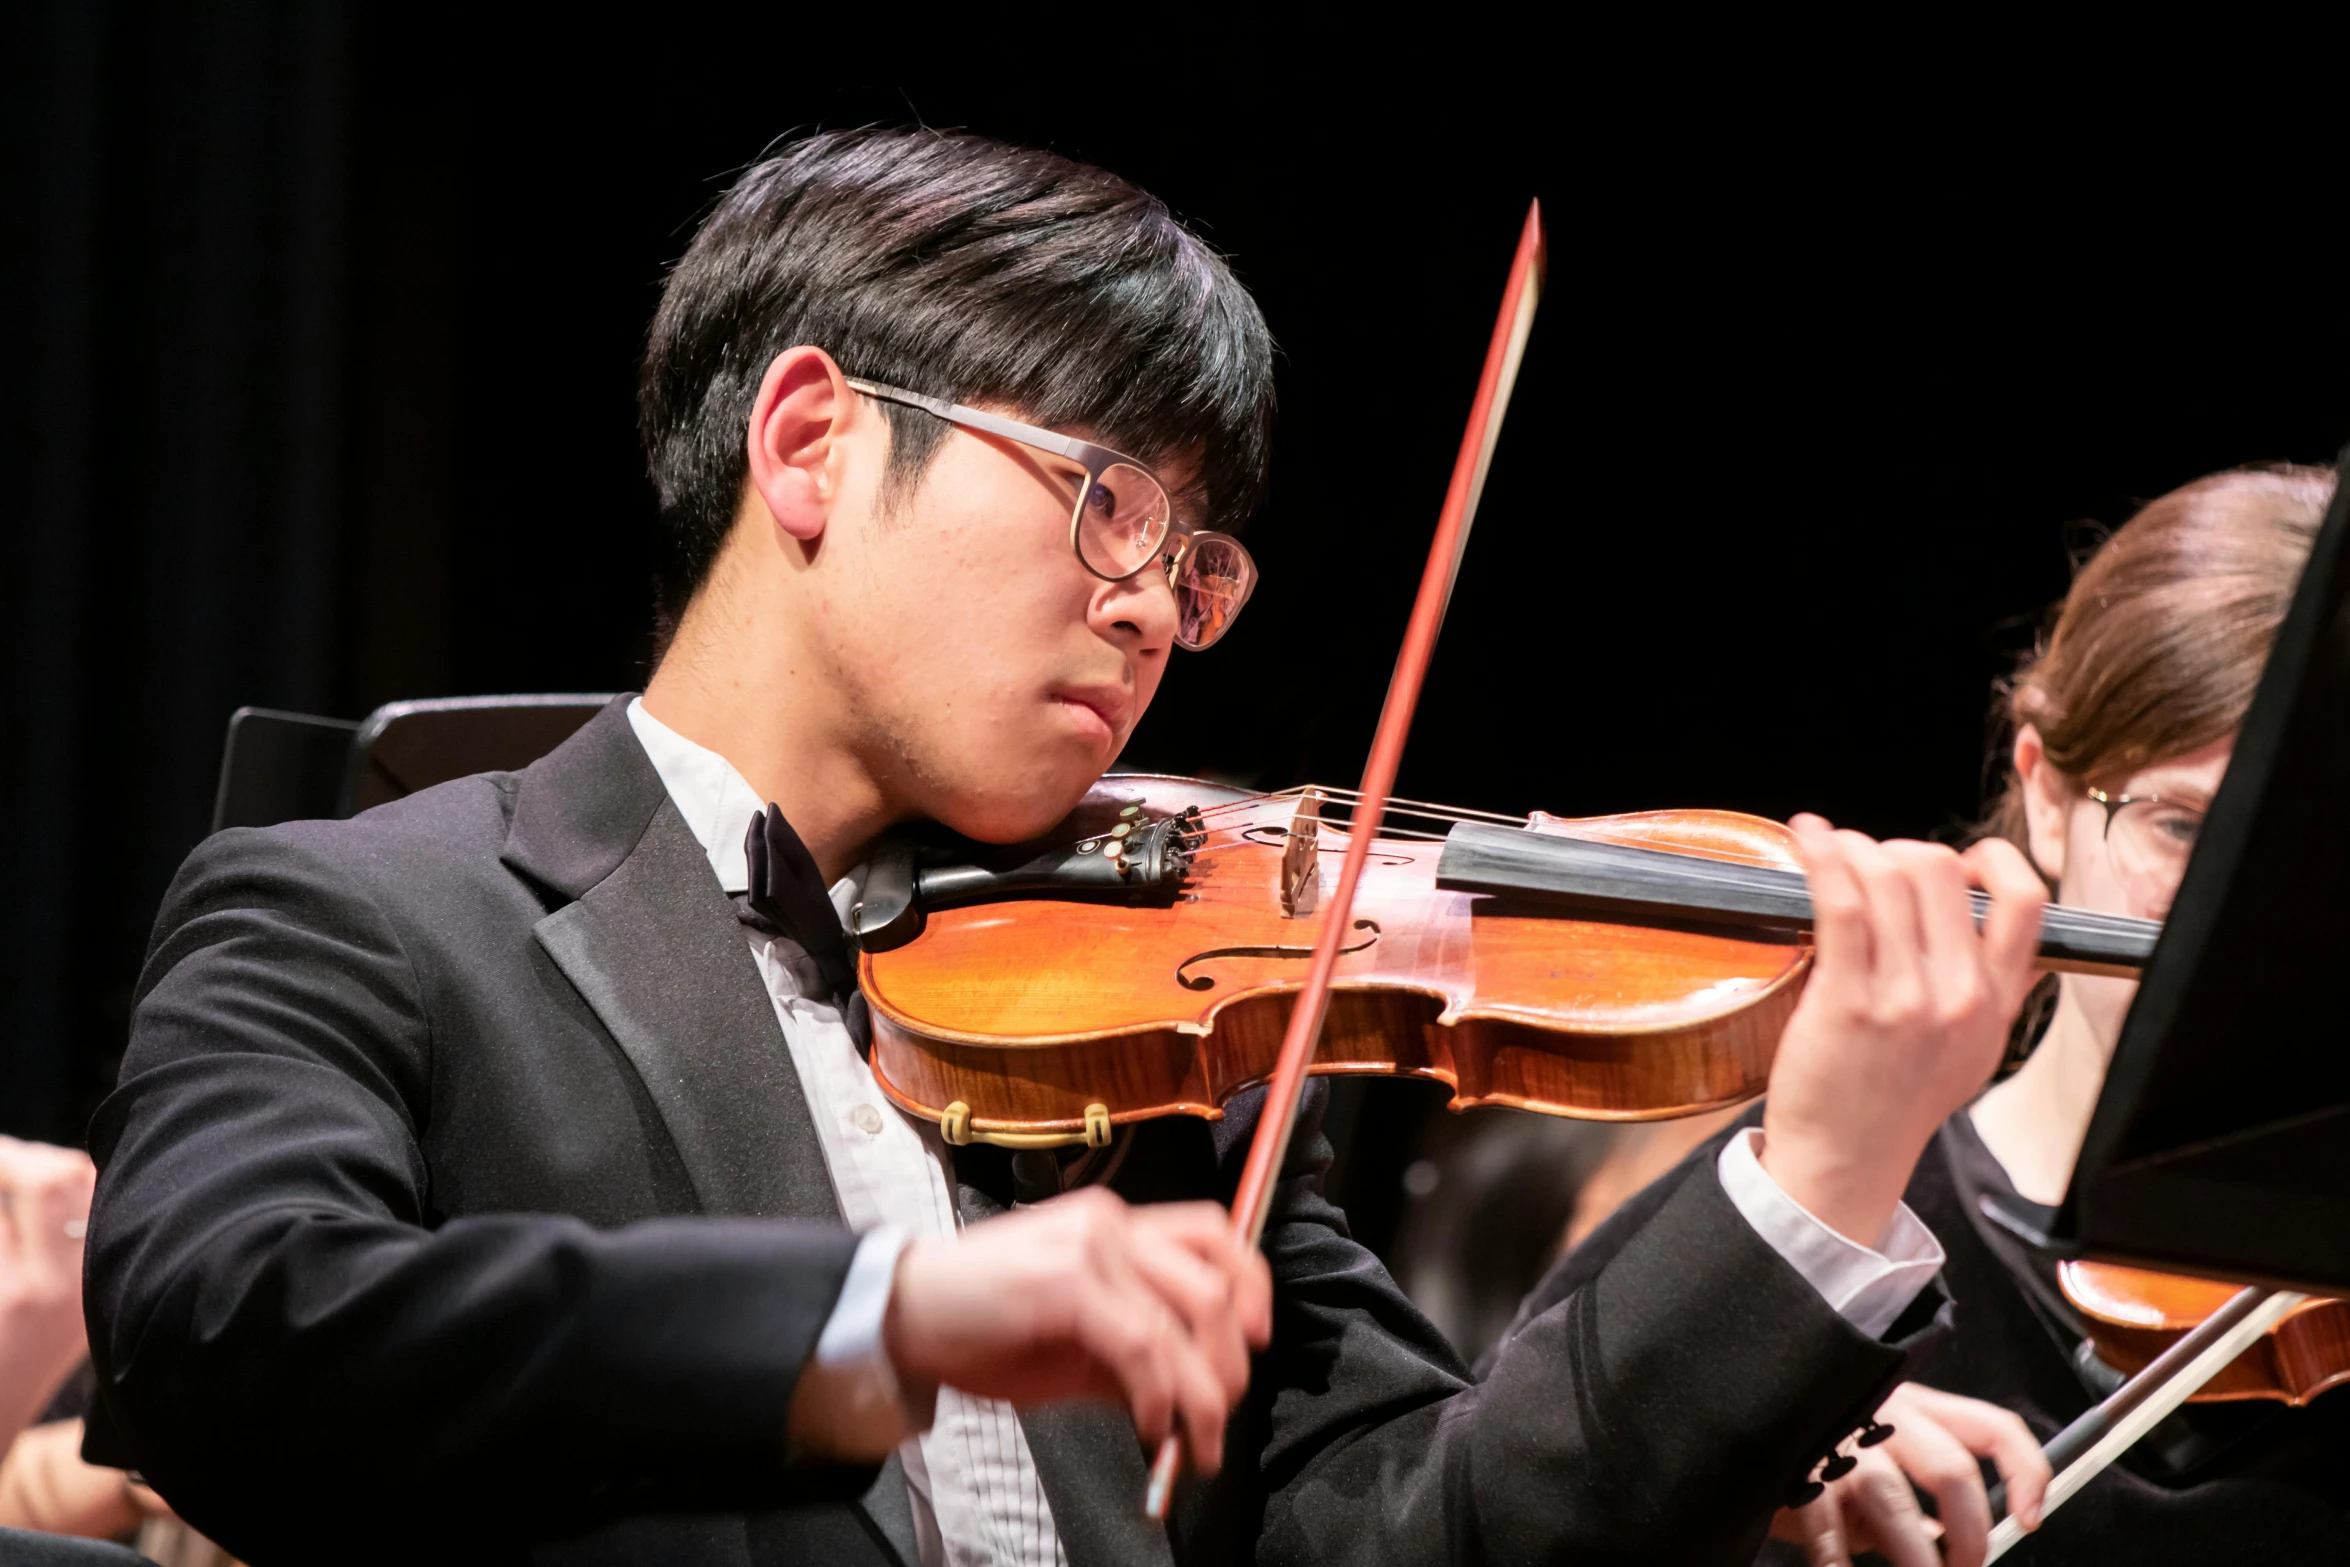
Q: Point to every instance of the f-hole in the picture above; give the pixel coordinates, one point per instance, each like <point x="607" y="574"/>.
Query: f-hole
<point x="1208" y="981"/>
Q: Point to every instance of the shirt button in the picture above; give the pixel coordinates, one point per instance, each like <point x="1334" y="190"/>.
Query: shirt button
<point x="868" y="1120"/>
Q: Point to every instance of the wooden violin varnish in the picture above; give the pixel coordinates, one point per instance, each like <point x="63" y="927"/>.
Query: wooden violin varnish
<point x="2134" y="1314"/>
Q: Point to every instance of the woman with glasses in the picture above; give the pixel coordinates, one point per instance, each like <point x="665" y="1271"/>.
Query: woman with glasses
<point x="2116" y="734"/>
<point x="2113" y="737"/>
<point x="2119" y="730"/>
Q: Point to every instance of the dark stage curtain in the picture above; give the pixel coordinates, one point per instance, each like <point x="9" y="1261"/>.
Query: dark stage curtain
<point x="301" y="409"/>
<point x="173" y="428"/>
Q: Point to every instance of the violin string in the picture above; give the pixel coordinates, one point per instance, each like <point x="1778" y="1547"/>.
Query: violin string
<point x="1389" y="827"/>
<point x="1248" y="802"/>
<point x="1455" y="813"/>
<point x="1390" y="830"/>
<point x="1262" y="843"/>
<point x="1348" y="797"/>
<point x="1338" y="828"/>
<point x="1341" y="829"/>
<point x="1342" y="796"/>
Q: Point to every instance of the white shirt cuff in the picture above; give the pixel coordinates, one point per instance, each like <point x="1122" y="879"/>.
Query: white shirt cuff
<point x="853" y="1332"/>
<point x="849" y="1403"/>
<point x="1868" y="1288"/>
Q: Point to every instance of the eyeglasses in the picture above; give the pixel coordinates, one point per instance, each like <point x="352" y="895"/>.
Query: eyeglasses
<point x="1122" y="520"/>
<point x="2150" y="837"/>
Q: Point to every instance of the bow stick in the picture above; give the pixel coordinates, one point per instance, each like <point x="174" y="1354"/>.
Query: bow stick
<point x="1278" y="1118"/>
<point x="2082" y="1450"/>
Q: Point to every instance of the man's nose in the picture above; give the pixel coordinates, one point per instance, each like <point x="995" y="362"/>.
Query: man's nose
<point x="1140" y="609"/>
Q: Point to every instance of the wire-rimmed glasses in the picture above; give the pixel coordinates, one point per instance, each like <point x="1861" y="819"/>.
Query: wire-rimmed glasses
<point x="1122" y="520"/>
<point x="2150" y="837"/>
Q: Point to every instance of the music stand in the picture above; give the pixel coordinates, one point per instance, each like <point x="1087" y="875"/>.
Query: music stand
<point x="2221" y="1143"/>
<point x="280" y="767"/>
<point x="402" y="747"/>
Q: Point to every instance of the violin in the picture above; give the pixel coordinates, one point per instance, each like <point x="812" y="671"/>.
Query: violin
<point x="1143" y="960"/>
<point x="2134" y="1315"/>
<point x="1054" y="1021"/>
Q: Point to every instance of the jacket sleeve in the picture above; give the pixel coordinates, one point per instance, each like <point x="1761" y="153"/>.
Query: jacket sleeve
<point x="1660" y="1412"/>
<point x="287" y="1337"/>
<point x="1599" y="1248"/>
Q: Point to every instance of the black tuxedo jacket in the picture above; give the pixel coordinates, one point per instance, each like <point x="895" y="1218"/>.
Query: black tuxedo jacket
<point x="459" y="1201"/>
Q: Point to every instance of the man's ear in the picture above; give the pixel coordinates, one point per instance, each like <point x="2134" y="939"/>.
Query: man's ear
<point x="795" y="449"/>
<point x="2048" y="801"/>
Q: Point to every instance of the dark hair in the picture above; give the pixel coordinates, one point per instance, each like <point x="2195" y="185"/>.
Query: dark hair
<point x="965" y="268"/>
<point x="2156" y="650"/>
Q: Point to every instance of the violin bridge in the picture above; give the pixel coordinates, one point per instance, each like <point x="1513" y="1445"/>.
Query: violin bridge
<point x="1301" y="859"/>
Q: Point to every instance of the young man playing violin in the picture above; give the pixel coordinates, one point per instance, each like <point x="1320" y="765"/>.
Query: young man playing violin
<point x="499" y="1171"/>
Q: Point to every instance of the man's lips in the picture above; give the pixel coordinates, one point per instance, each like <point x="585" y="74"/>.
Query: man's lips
<point x="1105" y="705"/>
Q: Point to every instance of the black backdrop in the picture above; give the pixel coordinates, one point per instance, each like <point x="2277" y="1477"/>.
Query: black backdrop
<point x="320" y="325"/>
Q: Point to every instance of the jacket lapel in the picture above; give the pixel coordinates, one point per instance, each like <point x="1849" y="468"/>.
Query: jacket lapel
<point x="655" y="949"/>
<point x="653" y="946"/>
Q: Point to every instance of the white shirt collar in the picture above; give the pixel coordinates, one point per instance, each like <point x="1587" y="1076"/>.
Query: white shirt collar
<point x="717" y="803"/>
<point x="715" y="800"/>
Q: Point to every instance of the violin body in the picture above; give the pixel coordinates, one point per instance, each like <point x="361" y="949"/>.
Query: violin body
<point x="1038" y="1022"/>
<point x="2134" y="1314"/>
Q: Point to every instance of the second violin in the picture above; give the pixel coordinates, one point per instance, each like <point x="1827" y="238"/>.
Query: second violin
<point x="2134" y="1314"/>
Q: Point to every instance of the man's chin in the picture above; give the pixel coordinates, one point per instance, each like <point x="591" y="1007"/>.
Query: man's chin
<point x="1015" y="814"/>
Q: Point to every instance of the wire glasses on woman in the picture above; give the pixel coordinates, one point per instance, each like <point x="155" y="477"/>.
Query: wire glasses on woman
<point x="1122" y="520"/>
<point x="2150" y="837"/>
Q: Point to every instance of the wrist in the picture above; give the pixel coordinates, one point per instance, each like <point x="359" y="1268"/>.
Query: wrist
<point x="851" y="1401"/>
<point x="903" y="1343"/>
<point x="1853" y="1190"/>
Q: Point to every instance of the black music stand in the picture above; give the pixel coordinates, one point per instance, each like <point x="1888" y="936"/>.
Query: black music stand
<point x="2221" y="1144"/>
<point x="402" y="747"/>
<point x="282" y="767"/>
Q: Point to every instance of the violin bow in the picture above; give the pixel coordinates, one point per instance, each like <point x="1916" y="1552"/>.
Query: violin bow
<point x="1278" y="1119"/>
<point x="2082" y="1450"/>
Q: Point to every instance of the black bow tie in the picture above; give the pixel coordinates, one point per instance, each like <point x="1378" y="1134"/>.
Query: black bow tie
<point x="787" y="898"/>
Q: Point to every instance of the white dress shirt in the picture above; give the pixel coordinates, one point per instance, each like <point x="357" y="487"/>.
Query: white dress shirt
<point x="977" y="1501"/>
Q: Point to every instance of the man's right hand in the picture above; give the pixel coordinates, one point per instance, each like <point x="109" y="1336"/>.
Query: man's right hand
<point x="1155" y="1307"/>
<point x="1904" y="1019"/>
